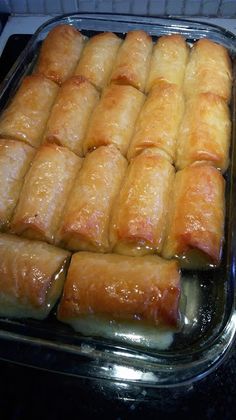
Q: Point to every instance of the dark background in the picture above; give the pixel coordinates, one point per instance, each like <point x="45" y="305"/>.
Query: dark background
<point x="27" y="393"/>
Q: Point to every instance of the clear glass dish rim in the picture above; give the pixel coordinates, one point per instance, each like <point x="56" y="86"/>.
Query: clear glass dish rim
<point x="176" y="371"/>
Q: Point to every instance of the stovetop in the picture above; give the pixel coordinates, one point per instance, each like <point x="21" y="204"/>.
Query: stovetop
<point x="14" y="46"/>
<point x="27" y="393"/>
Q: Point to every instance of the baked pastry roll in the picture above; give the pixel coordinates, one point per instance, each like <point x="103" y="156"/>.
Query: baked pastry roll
<point x="159" y="120"/>
<point x="32" y="275"/>
<point x="86" y="218"/>
<point x="114" y="118"/>
<point x="120" y="287"/>
<point x="44" y="193"/>
<point x="60" y="53"/>
<point x="15" y="158"/>
<point x="133" y="60"/>
<point x="209" y="70"/>
<point x="204" y="134"/>
<point x="70" y="114"/>
<point x="138" y="224"/>
<point x="26" y="116"/>
<point x="196" y="224"/>
<point x="168" y="61"/>
<point x="98" y="57"/>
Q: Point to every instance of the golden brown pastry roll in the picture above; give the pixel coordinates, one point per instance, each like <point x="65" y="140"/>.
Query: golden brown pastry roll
<point x="15" y="158"/>
<point x="138" y="224"/>
<point x="44" y="193"/>
<point x="127" y="288"/>
<point x="196" y="224"/>
<point x="114" y="118"/>
<point x="32" y="275"/>
<point x="60" y="53"/>
<point x="26" y="116"/>
<point x="86" y="218"/>
<point x="97" y="59"/>
<point x="132" y="62"/>
<point x="159" y="120"/>
<point x="209" y="70"/>
<point x="70" y="114"/>
<point x="168" y="61"/>
<point x="204" y="134"/>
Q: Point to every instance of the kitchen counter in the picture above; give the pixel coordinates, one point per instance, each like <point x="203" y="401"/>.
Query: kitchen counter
<point x="27" y="393"/>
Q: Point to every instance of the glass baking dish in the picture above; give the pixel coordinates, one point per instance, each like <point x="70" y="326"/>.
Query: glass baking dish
<point x="209" y="317"/>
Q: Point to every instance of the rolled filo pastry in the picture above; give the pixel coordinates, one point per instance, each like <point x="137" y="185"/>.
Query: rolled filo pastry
<point x="140" y="289"/>
<point x="98" y="58"/>
<point x="85" y="222"/>
<point x="114" y="118"/>
<point x="196" y="224"/>
<point x="168" y="61"/>
<point x="138" y="224"/>
<point x="159" y="120"/>
<point x="60" y="53"/>
<point x="32" y="275"/>
<point x="15" y="158"/>
<point x="70" y="114"/>
<point x="209" y="69"/>
<point x="133" y="59"/>
<point x="204" y="134"/>
<point x="45" y="192"/>
<point x="26" y="116"/>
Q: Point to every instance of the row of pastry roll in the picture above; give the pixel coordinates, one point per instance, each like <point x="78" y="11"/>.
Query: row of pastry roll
<point x="102" y="59"/>
<point x="136" y="61"/>
<point x="102" y="204"/>
<point x="197" y="131"/>
<point x="139" y="289"/>
<point x="74" y="117"/>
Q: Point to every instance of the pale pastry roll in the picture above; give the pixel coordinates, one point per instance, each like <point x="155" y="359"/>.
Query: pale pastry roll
<point x="140" y="289"/>
<point x="26" y="116"/>
<point x="32" y="276"/>
<point x="114" y="118"/>
<point x="139" y="220"/>
<point x="168" y="62"/>
<point x="196" y="223"/>
<point x="204" y="134"/>
<point x="45" y="192"/>
<point x="60" y="53"/>
<point x="159" y="120"/>
<point x="70" y="114"/>
<point x="132" y="63"/>
<point x="209" y="70"/>
<point x="85" y="223"/>
<point x="97" y="59"/>
<point x="15" y="158"/>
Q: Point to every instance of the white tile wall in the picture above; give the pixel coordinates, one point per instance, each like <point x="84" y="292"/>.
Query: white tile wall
<point x="157" y="9"/>
<point x="18" y="6"/>
<point x="5" y="6"/>
<point x="192" y="8"/>
<point x="228" y="8"/>
<point x="69" y="6"/>
<point x="138" y="7"/>
<point x="210" y="7"/>
<point x="85" y="6"/>
<point x="36" y="6"/>
<point x="216" y="8"/>
<point x="175" y="7"/>
<point x="122" y="6"/>
<point x="103" y="6"/>
<point x="52" y="7"/>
